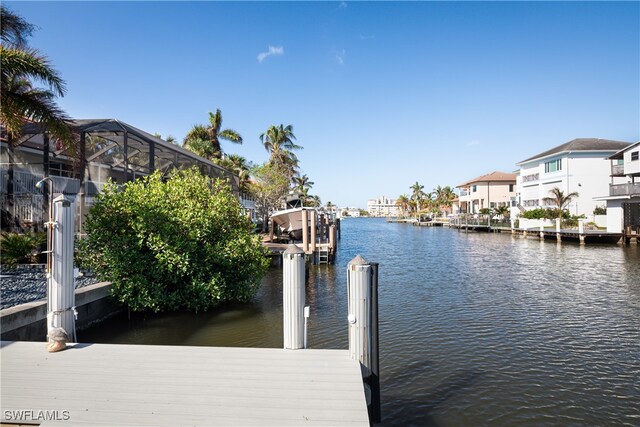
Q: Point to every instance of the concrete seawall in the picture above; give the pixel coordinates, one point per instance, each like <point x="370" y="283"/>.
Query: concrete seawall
<point x="27" y="322"/>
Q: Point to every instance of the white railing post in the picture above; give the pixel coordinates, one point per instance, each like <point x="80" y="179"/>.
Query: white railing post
<point x="293" y="275"/>
<point x="359" y="293"/>
<point x="61" y="282"/>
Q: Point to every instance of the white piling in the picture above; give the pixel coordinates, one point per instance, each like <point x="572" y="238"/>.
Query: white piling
<point x="558" y="225"/>
<point x="61" y="282"/>
<point x="293" y="275"/>
<point x="359" y="293"/>
<point x="581" y="226"/>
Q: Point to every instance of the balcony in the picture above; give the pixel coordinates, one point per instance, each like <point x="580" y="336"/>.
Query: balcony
<point x="617" y="170"/>
<point x="630" y="189"/>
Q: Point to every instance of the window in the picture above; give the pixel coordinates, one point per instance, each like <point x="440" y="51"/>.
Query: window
<point x="475" y="187"/>
<point x="511" y="188"/>
<point x="492" y="205"/>
<point x="634" y="155"/>
<point x="553" y="166"/>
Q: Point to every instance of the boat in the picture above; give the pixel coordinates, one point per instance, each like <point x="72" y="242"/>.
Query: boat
<point x="290" y="221"/>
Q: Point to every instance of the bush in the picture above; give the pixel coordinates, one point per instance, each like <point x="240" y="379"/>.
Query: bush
<point x="18" y="248"/>
<point x="600" y="210"/>
<point x="538" y="213"/>
<point x="183" y="243"/>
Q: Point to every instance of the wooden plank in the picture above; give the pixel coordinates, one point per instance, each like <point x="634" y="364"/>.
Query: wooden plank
<point x="168" y="385"/>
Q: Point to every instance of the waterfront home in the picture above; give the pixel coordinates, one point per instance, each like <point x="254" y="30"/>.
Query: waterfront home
<point x="575" y="166"/>
<point x="623" y="199"/>
<point x="487" y="191"/>
<point x="110" y="149"/>
<point x="382" y="206"/>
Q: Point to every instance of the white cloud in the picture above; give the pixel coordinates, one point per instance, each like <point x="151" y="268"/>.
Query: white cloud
<point x="341" y="56"/>
<point x="472" y="143"/>
<point x="343" y="5"/>
<point x="273" y="51"/>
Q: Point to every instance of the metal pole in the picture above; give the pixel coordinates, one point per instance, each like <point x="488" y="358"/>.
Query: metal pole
<point x="293" y="275"/>
<point x="62" y="310"/>
<point x="375" y="348"/>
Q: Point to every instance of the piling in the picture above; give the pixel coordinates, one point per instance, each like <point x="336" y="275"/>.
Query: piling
<point x="293" y="277"/>
<point x="312" y="241"/>
<point x="305" y="231"/>
<point x="362" y="284"/>
<point x="61" y="281"/>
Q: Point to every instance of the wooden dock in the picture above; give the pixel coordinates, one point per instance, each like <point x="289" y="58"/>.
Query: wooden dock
<point x="106" y="384"/>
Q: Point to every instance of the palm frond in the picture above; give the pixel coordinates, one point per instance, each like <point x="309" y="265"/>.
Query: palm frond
<point x="231" y="135"/>
<point x="29" y="64"/>
<point x="14" y="29"/>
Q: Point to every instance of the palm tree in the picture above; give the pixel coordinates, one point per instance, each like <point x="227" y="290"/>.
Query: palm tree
<point x="559" y="199"/>
<point x="444" y="196"/>
<point x="278" y="141"/>
<point x="204" y="140"/>
<point x="402" y="203"/>
<point x="417" y="195"/>
<point x="501" y="211"/>
<point x="20" y="67"/>
<point x="239" y="166"/>
<point x="302" y="182"/>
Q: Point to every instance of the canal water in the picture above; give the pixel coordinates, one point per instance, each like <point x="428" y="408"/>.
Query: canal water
<point x="475" y="329"/>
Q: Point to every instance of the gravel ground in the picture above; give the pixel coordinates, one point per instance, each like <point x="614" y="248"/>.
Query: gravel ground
<point x="21" y="285"/>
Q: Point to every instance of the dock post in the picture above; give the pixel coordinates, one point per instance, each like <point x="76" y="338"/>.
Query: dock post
<point x="541" y="230"/>
<point x="332" y="238"/>
<point x="558" y="236"/>
<point x="362" y="281"/>
<point x="293" y="275"/>
<point x="305" y="231"/>
<point x="312" y="241"/>
<point x="61" y="282"/>
<point x="581" y="231"/>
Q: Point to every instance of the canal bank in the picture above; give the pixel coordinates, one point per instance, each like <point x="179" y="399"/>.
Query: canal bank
<point x="475" y="328"/>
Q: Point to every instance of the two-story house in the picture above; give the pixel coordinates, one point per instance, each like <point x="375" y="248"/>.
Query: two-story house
<point x="623" y="201"/>
<point x="487" y="191"/>
<point x="575" y="166"/>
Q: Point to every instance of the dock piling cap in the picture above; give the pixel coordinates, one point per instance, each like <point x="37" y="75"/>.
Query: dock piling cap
<point x="293" y="250"/>
<point x="358" y="260"/>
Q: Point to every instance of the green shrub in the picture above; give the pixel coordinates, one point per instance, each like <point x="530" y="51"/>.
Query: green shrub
<point x="538" y="213"/>
<point x="600" y="210"/>
<point x="18" y="248"/>
<point x="183" y="243"/>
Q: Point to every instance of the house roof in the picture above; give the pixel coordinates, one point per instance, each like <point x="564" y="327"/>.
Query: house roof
<point x="620" y="153"/>
<point x="581" y="144"/>
<point x="496" y="176"/>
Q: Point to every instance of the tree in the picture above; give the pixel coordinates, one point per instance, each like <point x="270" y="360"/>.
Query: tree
<point x="559" y="199"/>
<point x="239" y="166"/>
<point x="171" y="244"/>
<point x="444" y="197"/>
<point x="278" y="141"/>
<point x="417" y="195"/>
<point x="402" y="203"/>
<point x="503" y="211"/>
<point x="302" y="182"/>
<point x="204" y="140"/>
<point x="20" y="68"/>
<point x="270" y="185"/>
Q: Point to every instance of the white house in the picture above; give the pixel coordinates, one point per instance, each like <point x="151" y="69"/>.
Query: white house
<point x="382" y="206"/>
<point x="492" y="190"/>
<point x="575" y="166"/>
<point x="623" y="200"/>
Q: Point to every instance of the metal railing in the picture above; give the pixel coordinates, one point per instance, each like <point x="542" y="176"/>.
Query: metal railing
<point x="624" y="189"/>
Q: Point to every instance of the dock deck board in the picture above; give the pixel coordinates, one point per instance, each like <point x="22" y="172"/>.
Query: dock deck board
<point x="107" y="384"/>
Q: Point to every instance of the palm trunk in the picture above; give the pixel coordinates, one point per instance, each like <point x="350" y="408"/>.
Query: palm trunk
<point x="11" y="209"/>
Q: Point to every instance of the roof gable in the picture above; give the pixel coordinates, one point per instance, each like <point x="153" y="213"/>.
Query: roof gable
<point x="580" y="144"/>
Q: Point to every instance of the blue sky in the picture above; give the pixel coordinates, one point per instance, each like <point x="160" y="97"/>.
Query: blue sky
<point x="380" y="94"/>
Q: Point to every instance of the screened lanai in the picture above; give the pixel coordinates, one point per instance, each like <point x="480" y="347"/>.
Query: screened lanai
<point x="111" y="149"/>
